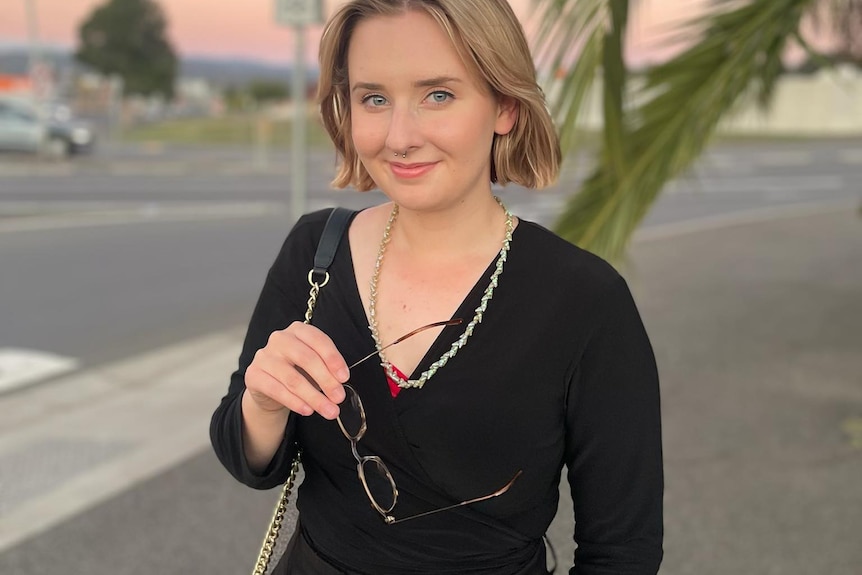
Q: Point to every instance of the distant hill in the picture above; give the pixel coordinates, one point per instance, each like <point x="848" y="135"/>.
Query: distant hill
<point x="224" y="72"/>
<point x="218" y="71"/>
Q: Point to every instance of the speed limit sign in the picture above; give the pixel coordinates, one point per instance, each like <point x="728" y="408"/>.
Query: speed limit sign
<point x="298" y="12"/>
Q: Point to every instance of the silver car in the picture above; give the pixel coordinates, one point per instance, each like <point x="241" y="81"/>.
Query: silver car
<point x="22" y="130"/>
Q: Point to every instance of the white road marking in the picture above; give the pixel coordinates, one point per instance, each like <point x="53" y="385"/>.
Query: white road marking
<point x="157" y="404"/>
<point x="152" y="169"/>
<point x="777" y="184"/>
<point x="784" y="158"/>
<point x="114" y="214"/>
<point x="27" y="169"/>
<point x="22" y="367"/>
<point x="852" y="156"/>
<point x="725" y="162"/>
<point x="695" y="225"/>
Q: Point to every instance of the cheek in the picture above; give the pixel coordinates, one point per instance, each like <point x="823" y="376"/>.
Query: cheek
<point x="469" y="138"/>
<point x="470" y="129"/>
<point x="369" y="134"/>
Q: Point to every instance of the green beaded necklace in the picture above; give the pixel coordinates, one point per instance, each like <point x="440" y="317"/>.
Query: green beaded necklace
<point x="461" y="341"/>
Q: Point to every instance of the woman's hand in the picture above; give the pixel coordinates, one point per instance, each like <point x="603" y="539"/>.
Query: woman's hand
<point x="299" y="369"/>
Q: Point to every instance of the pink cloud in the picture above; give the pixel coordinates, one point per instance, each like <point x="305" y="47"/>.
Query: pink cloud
<point x="219" y="27"/>
<point x="246" y="27"/>
<point x="195" y="26"/>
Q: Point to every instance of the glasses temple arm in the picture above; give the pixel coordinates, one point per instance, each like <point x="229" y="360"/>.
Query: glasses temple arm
<point x="446" y="323"/>
<point x="390" y="520"/>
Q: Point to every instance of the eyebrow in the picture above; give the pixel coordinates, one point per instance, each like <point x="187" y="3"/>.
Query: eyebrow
<point x="436" y="81"/>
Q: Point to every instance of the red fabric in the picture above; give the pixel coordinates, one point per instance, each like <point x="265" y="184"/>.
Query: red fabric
<point x="393" y="387"/>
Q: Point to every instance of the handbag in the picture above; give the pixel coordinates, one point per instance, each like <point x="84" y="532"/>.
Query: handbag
<point x="318" y="277"/>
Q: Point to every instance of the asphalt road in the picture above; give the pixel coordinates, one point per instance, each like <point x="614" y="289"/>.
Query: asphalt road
<point x="125" y="252"/>
<point x="753" y="316"/>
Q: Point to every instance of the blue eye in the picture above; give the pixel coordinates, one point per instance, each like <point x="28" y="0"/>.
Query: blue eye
<point x="374" y="100"/>
<point x="440" y="96"/>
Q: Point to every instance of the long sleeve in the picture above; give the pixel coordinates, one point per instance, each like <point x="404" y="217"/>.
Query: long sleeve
<point x="613" y="445"/>
<point x="281" y="302"/>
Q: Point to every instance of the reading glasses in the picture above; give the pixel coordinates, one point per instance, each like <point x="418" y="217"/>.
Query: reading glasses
<point x="375" y="477"/>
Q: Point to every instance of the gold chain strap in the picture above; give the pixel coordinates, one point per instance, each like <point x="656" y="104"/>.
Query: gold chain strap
<point x="277" y="518"/>
<point x="312" y="293"/>
<point x="271" y="537"/>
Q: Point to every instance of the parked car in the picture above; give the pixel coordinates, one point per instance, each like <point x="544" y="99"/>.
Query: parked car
<point x="22" y="130"/>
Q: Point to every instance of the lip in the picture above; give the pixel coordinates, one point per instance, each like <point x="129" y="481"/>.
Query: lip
<point x="414" y="170"/>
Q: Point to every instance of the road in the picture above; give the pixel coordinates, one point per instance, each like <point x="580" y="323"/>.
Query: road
<point x="752" y="324"/>
<point x="137" y="251"/>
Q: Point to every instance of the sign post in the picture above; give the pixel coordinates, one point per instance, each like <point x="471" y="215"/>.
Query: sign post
<point x="298" y="14"/>
<point x="37" y="71"/>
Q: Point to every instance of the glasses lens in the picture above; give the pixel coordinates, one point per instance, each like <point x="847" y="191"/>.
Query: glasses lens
<point x="379" y="483"/>
<point x="352" y="414"/>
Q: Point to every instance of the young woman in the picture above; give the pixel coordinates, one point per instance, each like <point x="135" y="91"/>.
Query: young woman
<point x="432" y="101"/>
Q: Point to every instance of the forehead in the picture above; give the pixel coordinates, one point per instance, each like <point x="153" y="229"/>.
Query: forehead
<point x="403" y="47"/>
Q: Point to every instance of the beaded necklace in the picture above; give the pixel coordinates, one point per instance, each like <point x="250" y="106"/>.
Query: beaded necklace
<point x="461" y="341"/>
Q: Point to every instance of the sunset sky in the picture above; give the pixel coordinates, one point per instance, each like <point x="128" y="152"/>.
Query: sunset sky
<point x="245" y="28"/>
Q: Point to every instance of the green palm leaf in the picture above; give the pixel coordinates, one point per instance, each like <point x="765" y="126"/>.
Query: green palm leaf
<point x="681" y="102"/>
<point x="571" y="35"/>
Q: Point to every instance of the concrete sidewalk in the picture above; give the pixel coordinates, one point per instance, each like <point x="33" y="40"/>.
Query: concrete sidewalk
<point x="757" y="332"/>
<point x="71" y="443"/>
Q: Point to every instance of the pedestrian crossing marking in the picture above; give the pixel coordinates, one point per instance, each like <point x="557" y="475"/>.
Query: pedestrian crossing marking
<point x="23" y="367"/>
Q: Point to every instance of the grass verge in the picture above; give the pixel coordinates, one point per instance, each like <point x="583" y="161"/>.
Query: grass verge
<point x="238" y="130"/>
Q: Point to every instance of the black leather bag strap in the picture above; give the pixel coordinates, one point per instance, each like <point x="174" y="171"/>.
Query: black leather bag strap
<point x="334" y="229"/>
<point x="318" y="276"/>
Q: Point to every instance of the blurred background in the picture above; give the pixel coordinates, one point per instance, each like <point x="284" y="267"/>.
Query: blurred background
<point x="154" y="154"/>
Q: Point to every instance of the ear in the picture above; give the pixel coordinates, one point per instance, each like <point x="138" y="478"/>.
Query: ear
<point x="507" y="114"/>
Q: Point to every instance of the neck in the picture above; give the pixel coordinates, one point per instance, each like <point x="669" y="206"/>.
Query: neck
<point x="453" y="232"/>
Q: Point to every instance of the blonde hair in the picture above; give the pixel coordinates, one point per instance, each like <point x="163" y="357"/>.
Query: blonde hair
<point x="490" y="40"/>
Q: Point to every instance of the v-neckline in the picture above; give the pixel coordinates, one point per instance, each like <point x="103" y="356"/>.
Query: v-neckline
<point x="464" y="310"/>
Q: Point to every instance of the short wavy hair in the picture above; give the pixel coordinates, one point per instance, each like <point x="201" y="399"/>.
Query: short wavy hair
<point x="491" y="41"/>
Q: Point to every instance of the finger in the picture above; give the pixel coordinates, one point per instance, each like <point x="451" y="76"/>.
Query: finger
<point x="296" y="387"/>
<point x="323" y="344"/>
<point x="285" y="369"/>
<point x="310" y="393"/>
<point x="268" y="392"/>
<point x="331" y="371"/>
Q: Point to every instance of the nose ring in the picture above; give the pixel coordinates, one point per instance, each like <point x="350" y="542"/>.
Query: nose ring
<point x="404" y="155"/>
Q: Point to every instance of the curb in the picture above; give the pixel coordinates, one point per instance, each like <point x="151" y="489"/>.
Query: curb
<point x="134" y="418"/>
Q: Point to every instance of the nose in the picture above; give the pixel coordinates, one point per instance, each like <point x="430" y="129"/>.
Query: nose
<point x="405" y="131"/>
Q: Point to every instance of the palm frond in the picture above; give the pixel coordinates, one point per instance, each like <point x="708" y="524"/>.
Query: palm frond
<point x="737" y="57"/>
<point x="614" y="83"/>
<point x="570" y="33"/>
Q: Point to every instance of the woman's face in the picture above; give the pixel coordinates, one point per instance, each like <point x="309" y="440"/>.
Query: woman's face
<point x="410" y="92"/>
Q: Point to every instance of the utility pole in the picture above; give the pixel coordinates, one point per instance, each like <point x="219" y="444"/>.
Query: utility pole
<point x="298" y="14"/>
<point x="37" y="71"/>
<point x="33" y="37"/>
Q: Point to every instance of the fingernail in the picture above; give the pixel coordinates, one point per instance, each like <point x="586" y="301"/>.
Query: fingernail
<point x="331" y="412"/>
<point x="343" y="375"/>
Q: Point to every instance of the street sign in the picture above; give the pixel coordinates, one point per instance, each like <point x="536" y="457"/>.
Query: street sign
<point x="298" y="12"/>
